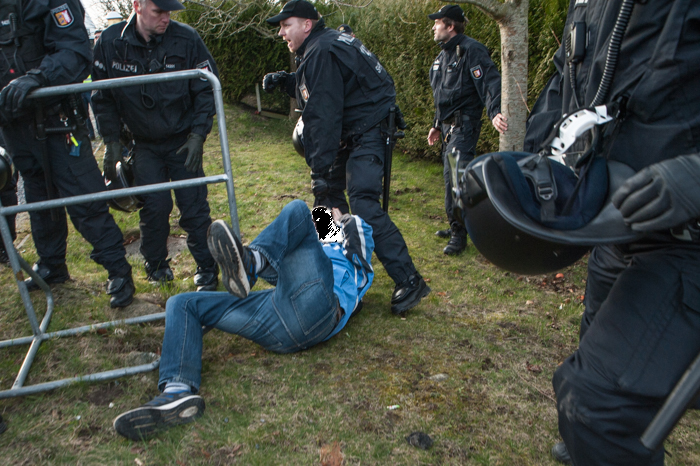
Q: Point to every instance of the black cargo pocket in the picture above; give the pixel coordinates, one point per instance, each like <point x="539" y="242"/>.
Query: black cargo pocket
<point x="84" y="162"/>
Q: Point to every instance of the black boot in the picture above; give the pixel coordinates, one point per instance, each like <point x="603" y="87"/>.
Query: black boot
<point x="207" y="278"/>
<point x="408" y="294"/>
<point x="159" y="272"/>
<point x="121" y="290"/>
<point x="458" y="240"/>
<point x="444" y="233"/>
<point x="49" y="273"/>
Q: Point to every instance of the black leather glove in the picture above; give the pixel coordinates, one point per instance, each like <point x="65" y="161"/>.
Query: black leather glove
<point x="273" y="80"/>
<point x="661" y="196"/>
<point x="195" y="149"/>
<point x="113" y="154"/>
<point x="319" y="185"/>
<point x="14" y="94"/>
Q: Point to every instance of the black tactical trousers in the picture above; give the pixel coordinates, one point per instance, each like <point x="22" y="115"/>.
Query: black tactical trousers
<point x="159" y="163"/>
<point x="463" y="138"/>
<point x="360" y="167"/>
<point x="8" y="197"/>
<point x="74" y="172"/>
<point x="640" y="334"/>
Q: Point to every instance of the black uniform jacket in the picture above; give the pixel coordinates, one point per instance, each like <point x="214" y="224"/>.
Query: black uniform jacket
<point x="153" y="112"/>
<point x="466" y="82"/>
<point x="657" y="74"/>
<point x="343" y="90"/>
<point x="54" y="40"/>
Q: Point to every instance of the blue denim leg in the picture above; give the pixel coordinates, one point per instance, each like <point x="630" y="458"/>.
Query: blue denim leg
<point x="297" y="314"/>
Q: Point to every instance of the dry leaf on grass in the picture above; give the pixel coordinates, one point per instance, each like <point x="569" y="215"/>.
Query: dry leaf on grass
<point x="331" y="455"/>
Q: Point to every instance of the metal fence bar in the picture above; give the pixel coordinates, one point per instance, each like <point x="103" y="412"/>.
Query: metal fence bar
<point x="18" y="263"/>
<point x="97" y="377"/>
<point x="84" y="329"/>
<point x="117" y="193"/>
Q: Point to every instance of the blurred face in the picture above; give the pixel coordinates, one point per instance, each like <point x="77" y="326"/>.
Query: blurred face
<point x="295" y="31"/>
<point x="442" y="33"/>
<point x="150" y="20"/>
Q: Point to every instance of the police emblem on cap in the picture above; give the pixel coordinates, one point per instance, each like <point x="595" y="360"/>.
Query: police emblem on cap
<point x="62" y="16"/>
<point x="476" y="72"/>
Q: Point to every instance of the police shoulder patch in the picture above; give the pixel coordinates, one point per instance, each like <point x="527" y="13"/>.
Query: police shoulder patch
<point x="476" y="72"/>
<point x="304" y="92"/>
<point x="205" y="65"/>
<point x="62" y="16"/>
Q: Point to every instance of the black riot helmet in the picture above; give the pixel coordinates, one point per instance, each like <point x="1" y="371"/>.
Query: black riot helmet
<point x="531" y="215"/>
<point x="124" y="179"/>
<point x="5" y="168"/>
<point x="298" y="137"/>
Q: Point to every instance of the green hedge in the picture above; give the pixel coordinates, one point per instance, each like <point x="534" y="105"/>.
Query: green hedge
<point x="399" y="33"/>
<point x="243" y="58"/>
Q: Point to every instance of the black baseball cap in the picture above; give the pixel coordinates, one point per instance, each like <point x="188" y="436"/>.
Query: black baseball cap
<point x="454" y="12"/>
<point x="169" y="5"/>
<point x="345" y="28"/>
<point x="297" y="8"/>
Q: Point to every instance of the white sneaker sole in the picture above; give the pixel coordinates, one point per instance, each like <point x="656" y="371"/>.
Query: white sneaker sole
<point x="226" y="250"/>
<point x="144" y="421"/>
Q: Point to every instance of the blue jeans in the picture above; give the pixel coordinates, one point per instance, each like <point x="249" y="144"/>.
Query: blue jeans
<point x="297" y="314"/>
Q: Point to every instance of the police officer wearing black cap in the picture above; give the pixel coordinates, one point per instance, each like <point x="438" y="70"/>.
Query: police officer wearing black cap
<point x="464" y="80"/>
<point x="640" y="328"/>
<point x="345" y="94"/>
<point x="169" y="122"/>
<point x="46" y="44"/>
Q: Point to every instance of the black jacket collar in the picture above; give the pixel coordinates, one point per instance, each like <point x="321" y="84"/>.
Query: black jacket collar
<point x="452" y="43"/>
<point x="317" y="29"/>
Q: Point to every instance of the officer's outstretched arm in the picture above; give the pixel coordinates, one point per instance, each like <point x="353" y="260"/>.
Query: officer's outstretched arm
<point x="661" y="196"/>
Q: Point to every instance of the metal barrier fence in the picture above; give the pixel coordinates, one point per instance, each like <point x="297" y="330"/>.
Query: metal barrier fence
<point x="18" y="264"/>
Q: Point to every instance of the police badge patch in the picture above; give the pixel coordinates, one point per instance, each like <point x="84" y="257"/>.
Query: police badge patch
<point x="304" y="92"/>
<point x="476" y="72"/>
<point x="62" y="16"/>
<point x="204" y="66"/>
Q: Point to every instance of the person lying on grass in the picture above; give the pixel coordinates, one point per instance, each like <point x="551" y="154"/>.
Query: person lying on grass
<point x="320" y="266"/>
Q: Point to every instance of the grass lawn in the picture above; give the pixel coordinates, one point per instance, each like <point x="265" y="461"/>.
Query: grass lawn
<point x="471" y="366"/>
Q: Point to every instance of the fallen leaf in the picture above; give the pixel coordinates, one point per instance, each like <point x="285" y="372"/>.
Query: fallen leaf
<point x="331" y="455"/>
<point x="533" y="367"/>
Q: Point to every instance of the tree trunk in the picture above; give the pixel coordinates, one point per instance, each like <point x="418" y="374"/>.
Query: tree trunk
<point x="514" y="34"/>
<point x="293" y="115"/>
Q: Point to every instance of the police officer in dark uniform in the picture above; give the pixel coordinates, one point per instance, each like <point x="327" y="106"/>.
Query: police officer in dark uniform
<point x="45" y="44"/>
<point x="640" y="328"/>
<point x="346" y="95"/>
<point x="8" y="194"/>
<point x="169" y="122"/>
<point x="464" y="80"/>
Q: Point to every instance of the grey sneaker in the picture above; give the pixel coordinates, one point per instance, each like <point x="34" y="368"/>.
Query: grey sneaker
<point x="235" y="260"/>
<point x="162" y="412"/>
